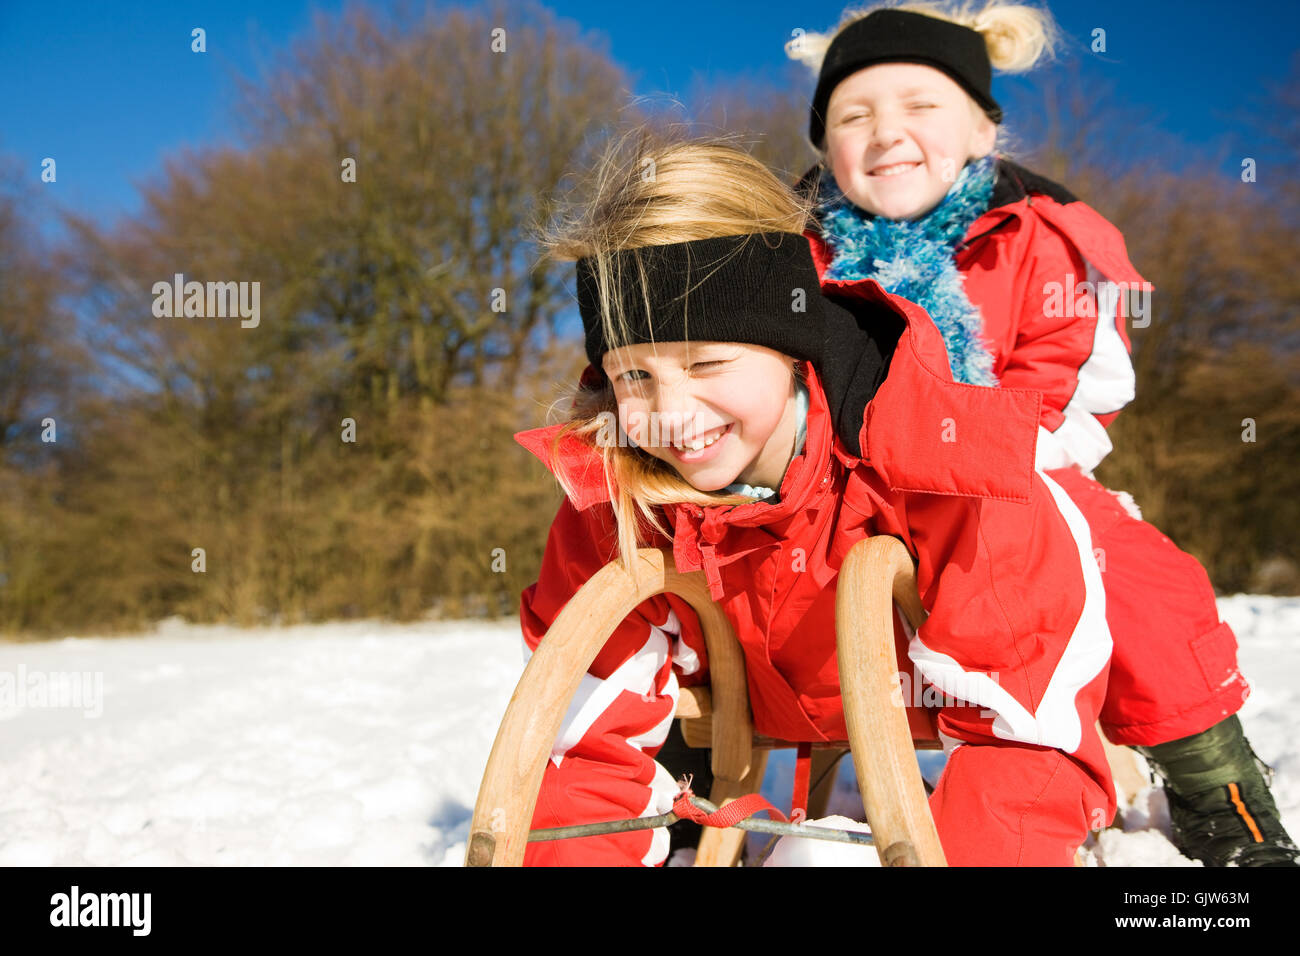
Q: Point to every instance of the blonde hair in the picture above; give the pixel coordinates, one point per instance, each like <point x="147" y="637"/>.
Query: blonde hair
<point x="652" y="189"/>
<point x="1017" y="36"/>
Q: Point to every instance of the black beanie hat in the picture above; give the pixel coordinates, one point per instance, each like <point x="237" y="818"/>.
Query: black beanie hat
<point x="760" y="288"/>
<point x="899" y="36"/>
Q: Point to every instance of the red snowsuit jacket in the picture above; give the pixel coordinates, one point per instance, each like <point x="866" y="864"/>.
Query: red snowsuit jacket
<point x="1044" y="269"/>
<point x="1039" y="265"/>
<point x="1016" y="634"/>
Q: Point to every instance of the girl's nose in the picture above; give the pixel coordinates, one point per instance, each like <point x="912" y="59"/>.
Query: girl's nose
<point x="887" y="130"/>
<point x="675" y="407"/>
<point x="678" y="404"/>
<point x="885" y="135"/>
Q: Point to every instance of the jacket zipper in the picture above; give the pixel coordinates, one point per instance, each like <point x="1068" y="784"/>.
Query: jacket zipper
<point x="992" y="229"/>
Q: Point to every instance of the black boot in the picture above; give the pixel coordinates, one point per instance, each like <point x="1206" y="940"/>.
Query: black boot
<point x="1219" y="802"/>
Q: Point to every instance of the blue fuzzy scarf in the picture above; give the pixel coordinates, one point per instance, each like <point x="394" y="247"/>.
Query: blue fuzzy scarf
<point x="913" y="258"/>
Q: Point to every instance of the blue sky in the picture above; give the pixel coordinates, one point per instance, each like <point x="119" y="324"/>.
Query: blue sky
<point x="109" y="89"/>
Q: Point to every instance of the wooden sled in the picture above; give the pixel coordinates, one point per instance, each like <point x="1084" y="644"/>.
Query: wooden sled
<point x="877" y="574"/>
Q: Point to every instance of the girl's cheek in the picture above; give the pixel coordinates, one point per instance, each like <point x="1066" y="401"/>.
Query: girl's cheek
<point x="844" y="159"/>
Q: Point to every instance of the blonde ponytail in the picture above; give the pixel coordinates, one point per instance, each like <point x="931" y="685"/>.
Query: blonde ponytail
<point x="1016" y="35"/>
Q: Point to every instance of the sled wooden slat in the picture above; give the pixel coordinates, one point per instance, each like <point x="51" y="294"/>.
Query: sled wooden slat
<point x="1129" y="779"/>
<point x="507" y="798"/>
<point x="697" y="732"/>
<point x="876" y="574"/>
<point x="694" y="703"/>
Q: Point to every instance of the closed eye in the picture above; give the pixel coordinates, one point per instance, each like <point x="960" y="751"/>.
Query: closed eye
<point x="637" y="374"/>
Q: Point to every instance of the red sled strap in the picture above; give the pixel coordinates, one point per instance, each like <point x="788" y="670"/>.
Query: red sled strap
<point x="802" y="773"/>
<point x="728" y="816"/>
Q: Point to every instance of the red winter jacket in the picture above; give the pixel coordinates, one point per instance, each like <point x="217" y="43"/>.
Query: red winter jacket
<point x="1034" y="265"/>
<point x="1016" y="629"/>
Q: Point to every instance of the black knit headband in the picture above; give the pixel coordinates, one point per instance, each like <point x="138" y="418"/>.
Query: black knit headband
<point x="761" y="289"/>
<point x="889" y="36"/>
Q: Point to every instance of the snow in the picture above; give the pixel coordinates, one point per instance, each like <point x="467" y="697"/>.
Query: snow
<point x="796" y="851"/>
<point x="363" y="743"/>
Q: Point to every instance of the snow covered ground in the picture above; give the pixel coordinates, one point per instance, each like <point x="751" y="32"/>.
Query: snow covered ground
<point x="364" y="743"/>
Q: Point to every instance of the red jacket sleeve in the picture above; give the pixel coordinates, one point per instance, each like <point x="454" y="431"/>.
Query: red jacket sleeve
<point x="602" y="764"/>
<point x="1070" y="345"/>
<point x="1016" y="638"/>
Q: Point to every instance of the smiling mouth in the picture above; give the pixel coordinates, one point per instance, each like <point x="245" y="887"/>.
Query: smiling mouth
<point x="701" y="444"/>
<point x="894" y="169"/>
